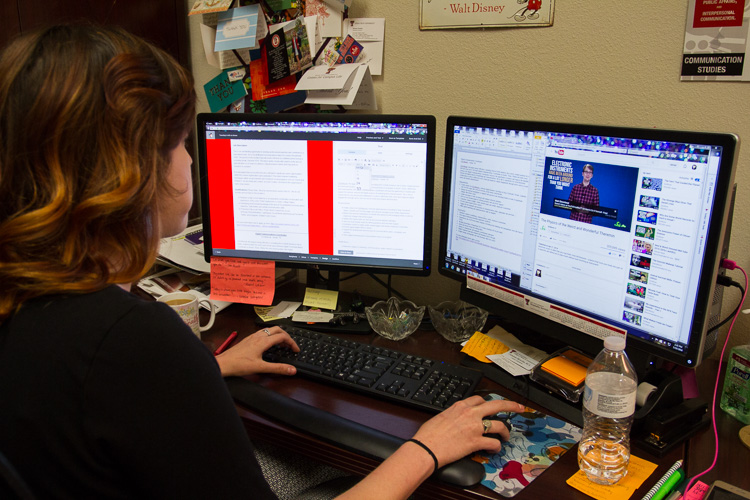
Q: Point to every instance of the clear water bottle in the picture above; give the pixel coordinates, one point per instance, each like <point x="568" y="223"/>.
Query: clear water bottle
<point x="608" y="407"/>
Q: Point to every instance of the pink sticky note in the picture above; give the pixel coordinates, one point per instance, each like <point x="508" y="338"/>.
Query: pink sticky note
<point x="243" y="280"/>
<point x="697" y="492"/>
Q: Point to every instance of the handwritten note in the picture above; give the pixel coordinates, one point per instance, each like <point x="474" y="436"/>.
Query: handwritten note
<point x="638" y="471"/>
<point x="325" y="299"/>
<point x="480" y="345"/>
<point x="262" y="312"/>
<point x="243" y="280"/>
<point x="312" y="316"/>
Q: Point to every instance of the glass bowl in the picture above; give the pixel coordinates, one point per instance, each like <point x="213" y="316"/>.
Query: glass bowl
<point x="394" y="319"/>
<point x="456" y="320"/>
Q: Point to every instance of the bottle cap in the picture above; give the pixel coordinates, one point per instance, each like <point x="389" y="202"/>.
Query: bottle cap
<point x="614" y="343"/>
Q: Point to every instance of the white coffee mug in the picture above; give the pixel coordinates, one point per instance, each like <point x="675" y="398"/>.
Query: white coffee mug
<point x="187" y="306"/>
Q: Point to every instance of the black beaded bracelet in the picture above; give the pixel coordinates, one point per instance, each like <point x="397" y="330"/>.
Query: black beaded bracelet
<point x="434" y="458"/>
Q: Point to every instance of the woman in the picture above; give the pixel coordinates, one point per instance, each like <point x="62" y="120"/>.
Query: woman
<point x="105" y="395"/>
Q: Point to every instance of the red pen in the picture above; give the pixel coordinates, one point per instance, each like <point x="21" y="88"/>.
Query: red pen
<point x="226" y="343"/>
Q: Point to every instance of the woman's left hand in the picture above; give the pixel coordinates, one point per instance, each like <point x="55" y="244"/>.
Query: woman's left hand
<point x="246" y="358"/>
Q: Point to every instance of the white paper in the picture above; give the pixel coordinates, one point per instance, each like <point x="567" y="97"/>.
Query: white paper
<point x="514" y="362"/>
<point x="365" y="98"/>
<point x="312" y="23"/>
<point x="324" y="77"/>
<point x="338" y="5"/>
<point x="370" y="32"/>
<point x="512" y="342"/>
<point x="183" y="252"/>
<point x="348" y="94"/>
<point x="330" y="19"/>
<point x="284" y="309"/>
<point x="312" y="316"/>
<point x="366" y="29"/>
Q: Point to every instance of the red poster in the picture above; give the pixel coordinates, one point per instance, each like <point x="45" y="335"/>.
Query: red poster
<point x="718" y="13"/>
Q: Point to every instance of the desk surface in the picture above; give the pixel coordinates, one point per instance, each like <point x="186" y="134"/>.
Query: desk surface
<point x="403" y="422"/>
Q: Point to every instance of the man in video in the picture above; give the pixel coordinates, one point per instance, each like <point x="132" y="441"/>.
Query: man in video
<point x="584" y="195"/>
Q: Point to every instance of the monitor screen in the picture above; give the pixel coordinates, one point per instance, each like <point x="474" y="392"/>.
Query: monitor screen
<point x="325" y="191"/>
<point x="589" y="231"/>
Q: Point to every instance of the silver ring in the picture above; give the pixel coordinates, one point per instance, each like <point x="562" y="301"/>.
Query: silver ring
<point x="486" y="424"/>
<point x="267" y="332"/>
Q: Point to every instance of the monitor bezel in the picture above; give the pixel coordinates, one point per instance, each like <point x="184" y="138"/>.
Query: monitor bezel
<point x="526" y="320"/>
<point x="429" y="120"/>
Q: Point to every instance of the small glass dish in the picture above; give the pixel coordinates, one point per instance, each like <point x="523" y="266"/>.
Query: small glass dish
<point x="456" y="320"/>
<point x="394" y="319"/>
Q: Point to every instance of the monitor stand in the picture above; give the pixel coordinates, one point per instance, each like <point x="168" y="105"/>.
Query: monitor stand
<point x="349" y="316"/>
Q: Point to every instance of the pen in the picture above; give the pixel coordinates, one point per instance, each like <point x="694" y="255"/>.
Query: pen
<point x="663" y="480"/>
<point x="226" y="343"/>
<point x="676" y="495"/>
<point x="669" y="485"/>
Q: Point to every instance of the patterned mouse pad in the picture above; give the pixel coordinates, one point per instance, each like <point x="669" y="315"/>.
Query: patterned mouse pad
<point x="536" y="441"/>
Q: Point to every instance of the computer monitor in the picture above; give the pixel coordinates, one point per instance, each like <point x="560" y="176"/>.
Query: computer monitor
<point x="325" y="191"/>
<point x="578" y="232"/>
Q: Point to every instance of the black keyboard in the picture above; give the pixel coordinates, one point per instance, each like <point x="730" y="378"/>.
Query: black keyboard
<point x="385" y="373"/>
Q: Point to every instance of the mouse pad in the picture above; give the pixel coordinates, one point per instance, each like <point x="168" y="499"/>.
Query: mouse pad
<point x="537" y="440"/>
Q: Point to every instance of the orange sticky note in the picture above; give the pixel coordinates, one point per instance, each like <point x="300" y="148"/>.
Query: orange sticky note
<point x="480" y="345"/>
<point x="638" y="471"/>
<point x="243" y="280"/>
<point x="563" y="368"/>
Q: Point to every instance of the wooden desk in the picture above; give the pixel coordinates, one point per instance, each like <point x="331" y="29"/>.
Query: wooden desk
<point x="403" y="422"/>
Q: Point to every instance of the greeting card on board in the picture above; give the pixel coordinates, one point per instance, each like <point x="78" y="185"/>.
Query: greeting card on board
<point x="224" y="59"/>
<point x="342" y="84"/>
<point x="240" y="28"/>
<point x="221" y="92"/>
<point x="287" y="50"/>
<point x="208" y="6"/>
<point x="349" y="50"/>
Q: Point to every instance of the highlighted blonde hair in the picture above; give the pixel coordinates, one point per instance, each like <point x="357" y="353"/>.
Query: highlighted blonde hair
<point x="88" y="117"/>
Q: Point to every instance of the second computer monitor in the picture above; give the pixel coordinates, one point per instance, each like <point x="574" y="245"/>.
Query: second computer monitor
<point x="586" y="231"/>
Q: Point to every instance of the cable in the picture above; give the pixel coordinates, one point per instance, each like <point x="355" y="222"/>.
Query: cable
<point x="388" y="286"/>
<point x="727" y="264"/>
<point x="727" y="282"/>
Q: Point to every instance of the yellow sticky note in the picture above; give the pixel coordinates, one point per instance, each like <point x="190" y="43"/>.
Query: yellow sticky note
<point x="638" y="471"/>
<point x="325" y="299"/>
<point x="480" y="345"/>
<point x="563" y="368"/>
<point x="262" y="312"/>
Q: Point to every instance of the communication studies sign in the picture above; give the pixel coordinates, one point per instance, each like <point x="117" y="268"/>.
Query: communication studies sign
<point x="716" y="41"/>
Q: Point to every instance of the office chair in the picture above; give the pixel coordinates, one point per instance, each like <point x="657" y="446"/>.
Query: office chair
<point x="12" y="485"/>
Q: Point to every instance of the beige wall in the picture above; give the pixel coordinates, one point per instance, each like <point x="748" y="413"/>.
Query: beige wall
<point x="602" y="62"/>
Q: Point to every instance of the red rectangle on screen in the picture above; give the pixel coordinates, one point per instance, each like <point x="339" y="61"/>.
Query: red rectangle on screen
<point x="320" y="196"/>
<point x="221" y="201"/>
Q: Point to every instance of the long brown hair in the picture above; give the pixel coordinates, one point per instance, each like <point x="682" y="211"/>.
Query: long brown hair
<point x="88" y="117"/>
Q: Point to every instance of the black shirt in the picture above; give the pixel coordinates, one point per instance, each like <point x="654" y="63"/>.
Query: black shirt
<point x="105" y="395"/>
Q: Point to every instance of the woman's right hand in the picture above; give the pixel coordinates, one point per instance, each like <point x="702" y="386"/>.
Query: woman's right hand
<point x="458" y="431"/>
